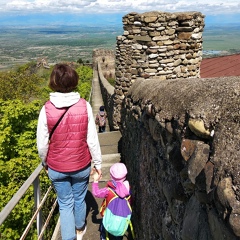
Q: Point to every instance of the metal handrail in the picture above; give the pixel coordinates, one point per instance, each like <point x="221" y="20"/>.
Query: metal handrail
<point x="48" y="219"/>
<point x="18" y="195"/>
<point x="35" y="214"/>
<point x="33" y="179"/>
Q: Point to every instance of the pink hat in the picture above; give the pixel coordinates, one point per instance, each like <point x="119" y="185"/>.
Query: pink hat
<point x="118" y="172"/>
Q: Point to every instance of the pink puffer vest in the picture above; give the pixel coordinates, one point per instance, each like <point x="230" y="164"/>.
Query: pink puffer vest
<point x="68" y="150"/>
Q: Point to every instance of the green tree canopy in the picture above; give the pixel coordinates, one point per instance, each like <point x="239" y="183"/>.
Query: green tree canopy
<point x="22" y="84"/>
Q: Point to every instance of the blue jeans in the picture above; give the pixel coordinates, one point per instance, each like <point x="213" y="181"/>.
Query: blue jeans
<point x="102" y="129"/>
<point x="71" y="190"/>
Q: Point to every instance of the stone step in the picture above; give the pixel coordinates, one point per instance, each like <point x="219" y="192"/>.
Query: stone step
<point x="110" y="142"/>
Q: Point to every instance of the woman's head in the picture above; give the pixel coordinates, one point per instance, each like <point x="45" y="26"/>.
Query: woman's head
<point x="63" y="78"/>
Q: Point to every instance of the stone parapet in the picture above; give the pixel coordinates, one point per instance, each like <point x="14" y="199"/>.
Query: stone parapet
<point x="107" y="91"/>
<point x="180" y="142"/>
<point x="106" y="58"/>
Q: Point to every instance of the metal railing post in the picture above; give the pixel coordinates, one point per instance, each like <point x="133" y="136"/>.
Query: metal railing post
<point x="37" y="200"/>
<point x="18" y="195"/>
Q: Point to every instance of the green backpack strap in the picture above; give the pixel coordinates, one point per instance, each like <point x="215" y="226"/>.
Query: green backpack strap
<point x="131" y="227"/>
<point x="107" y="238"/>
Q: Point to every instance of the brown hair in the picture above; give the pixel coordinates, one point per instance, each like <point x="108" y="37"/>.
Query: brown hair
<point x="63" y="78"/>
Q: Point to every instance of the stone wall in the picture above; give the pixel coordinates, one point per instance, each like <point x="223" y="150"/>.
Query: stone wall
<point x="107" y="91"/>
<point x="180" y="137"/>
<point x="106" y="59"/>
<point x="104" y="64"/>
<point x="157" y="45"/>
<point x="181" y="146"/>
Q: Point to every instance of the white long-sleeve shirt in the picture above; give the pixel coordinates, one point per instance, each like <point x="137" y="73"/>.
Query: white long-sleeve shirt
<point x="61" y="100"/>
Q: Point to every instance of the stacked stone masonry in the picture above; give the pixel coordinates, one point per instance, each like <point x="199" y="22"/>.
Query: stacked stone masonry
<point x="158" y="44"/>
<point x="180" y="142"/>
<point x="180" y="137"/>
<point x="181" y="147"/>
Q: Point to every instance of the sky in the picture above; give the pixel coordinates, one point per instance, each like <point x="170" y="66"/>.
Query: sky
<point x="110" y="11"/>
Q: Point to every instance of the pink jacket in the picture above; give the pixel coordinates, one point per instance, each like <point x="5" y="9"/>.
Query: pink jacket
<point x="122" y="189"/>
<point x="68" y="150"/>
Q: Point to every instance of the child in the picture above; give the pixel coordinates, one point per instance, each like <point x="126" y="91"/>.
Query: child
<point x="118" y="182"/>
<point x="101" y="119"/>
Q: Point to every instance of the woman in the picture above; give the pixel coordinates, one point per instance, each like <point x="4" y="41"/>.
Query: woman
<point x="67" y="142"/>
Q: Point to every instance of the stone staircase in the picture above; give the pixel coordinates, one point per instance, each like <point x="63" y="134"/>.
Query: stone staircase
<point x="109" y="143"/>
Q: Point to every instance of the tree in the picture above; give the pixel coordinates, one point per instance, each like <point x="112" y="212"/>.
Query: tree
<point x="18" y="159"/>
<point x="85" y="76"/>
<point x="22" y="84"/>
<point x="80" y="61"/>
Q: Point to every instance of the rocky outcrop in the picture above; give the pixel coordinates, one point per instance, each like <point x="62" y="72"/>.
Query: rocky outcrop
<point x="181" y="146"/>
<point x="42" y="62"/>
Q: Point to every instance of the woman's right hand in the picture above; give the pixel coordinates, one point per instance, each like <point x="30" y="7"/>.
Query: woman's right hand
<point x="96" y="174"/>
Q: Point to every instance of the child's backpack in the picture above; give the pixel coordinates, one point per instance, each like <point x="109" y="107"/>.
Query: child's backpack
<point x="101" y="119"/>
<point x="117" y="215"/>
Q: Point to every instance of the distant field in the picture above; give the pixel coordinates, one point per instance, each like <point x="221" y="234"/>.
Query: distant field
<point x="68" y="43"/>
<point x="224" y="39"/>
<point x="21" y="45"/>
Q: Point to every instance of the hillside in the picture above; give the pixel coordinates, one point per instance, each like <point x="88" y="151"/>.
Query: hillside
<point x="70" y="43"/>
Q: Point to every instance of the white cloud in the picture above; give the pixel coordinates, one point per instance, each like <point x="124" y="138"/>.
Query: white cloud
<point x="120" y="6"/>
